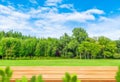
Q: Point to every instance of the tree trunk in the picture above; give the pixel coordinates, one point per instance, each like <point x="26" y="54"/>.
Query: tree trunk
<point x="80" y="55"/>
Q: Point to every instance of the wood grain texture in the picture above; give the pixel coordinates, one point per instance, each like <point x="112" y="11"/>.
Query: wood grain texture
<point x="56" y="73"/>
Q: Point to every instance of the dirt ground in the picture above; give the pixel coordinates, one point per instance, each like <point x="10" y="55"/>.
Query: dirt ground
<point x="56" y="73"/>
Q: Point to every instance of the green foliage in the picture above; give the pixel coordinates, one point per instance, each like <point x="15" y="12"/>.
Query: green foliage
<point x="88" y="49"/>
<point x="36" y="79"/>
<point x="33" y="79"/>
<point x="5" y="75"/>
<point x="80" y="34"/>
<point x="70" y="78"/>
<point x="14" y="45"/>
<point x="24" y="79"/>
<point x="2" y="73"/>
<point x="28" y="47"/>
<point x="117" y="77"/>
<point x="116" y="55"/>
<point x="108" y="47"/>
<point x="18" y="80"/>
<point x="39" y="79"/>
<point x="73" y="45"/>
<point x="8" y="72"/>
<point x="74" y="79"/>
<point x="10" y="47"/>
<point x="118" y="46"/>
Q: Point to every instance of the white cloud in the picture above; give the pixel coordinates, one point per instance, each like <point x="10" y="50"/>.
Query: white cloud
<point x="6" y="10"/>
<point x="13" y="20"/>
<point x="109" y="27"/>
<point x="53" y="15"/>
<point x="48" y="22"/>
<point x="94" y="11"/>
<point x="52" y="2"/>
<point x="66" y="6"/>
<point x="33" y="1"/>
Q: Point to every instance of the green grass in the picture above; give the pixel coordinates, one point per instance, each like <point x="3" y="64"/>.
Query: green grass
<point x="60" y="62"/>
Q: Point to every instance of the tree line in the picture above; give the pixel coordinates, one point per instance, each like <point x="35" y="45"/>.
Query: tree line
<point x="78" y="45"/>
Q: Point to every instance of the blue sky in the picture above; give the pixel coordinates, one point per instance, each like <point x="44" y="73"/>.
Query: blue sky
<point x="52" y="18"/>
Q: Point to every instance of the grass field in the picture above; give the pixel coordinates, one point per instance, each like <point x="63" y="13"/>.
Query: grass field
<point x="60" y="62"/>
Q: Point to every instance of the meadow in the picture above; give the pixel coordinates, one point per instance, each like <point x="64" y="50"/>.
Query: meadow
<point x="61" y="62"/>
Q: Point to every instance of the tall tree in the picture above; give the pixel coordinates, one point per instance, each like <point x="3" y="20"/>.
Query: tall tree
<point x="118" y="46"/>
<point x="41" y="48"/>
<point x="28" y="47"/>
<point x="72" y="47"/>
<point x="53" y="47"/>
<point x="2" y="34"/>
<point x="10" y="47"/>
<point x="80" y="34"/>
<point x="63" y="42"/>
<point x="108" y="47"/>
<point x="88" y="50"/>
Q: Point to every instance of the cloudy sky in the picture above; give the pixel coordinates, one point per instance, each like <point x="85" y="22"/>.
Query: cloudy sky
<point x="52" y="18"/>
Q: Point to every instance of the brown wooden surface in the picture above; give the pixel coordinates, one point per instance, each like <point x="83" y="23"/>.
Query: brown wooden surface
<point x="56" y="73"/>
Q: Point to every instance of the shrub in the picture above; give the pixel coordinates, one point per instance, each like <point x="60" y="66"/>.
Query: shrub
<point x="117" y="77"/>
<point x="70" y="78"/>
<point x="33" y="79"/>
<point x="36" y="79"/>
<point x="24" y="79"/>
<point x="5" y="74"/>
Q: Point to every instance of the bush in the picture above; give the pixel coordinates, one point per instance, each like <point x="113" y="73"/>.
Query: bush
<point x="117" y="77"/>
<point x="70" y="78"/>
<point x="24" y="79"/>
<point x="36" y="79"/>
<point x="5" y="74"/>
<point x="33" y="79"/>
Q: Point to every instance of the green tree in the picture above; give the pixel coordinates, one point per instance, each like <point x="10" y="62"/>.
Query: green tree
<point x="84" y="48"/>
<point x="28" y="47"/>
<point x="72" y="47"/>
<point x="79" y="34"/>
<point x="2" y="34"/>
<point x="88" y="50"/>
<point x="53" y="47"/>
<point x="41" y="48"/>
<point x="108" y="47"/>
<point x="118" y="46"/>
<point x="80" y="50"/>
<point x="63" y="42"/>
<point x="10" y="47"/>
